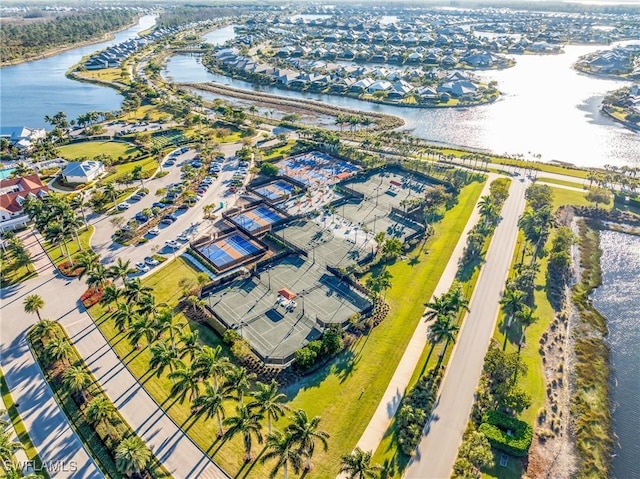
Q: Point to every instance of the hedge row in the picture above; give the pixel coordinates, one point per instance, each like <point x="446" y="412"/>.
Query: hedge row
<point x="495" y="426"/>
<point x="415" y="411"/>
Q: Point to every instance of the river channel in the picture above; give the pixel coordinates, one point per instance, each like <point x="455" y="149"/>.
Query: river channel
<point x="618" y="299"/>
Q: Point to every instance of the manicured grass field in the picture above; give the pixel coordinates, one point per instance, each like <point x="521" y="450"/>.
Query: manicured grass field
<point x="91" y="149"/>
<point x="355" y="376"/>
<point x="106" y="74"/>
<point x="53" y="250"/>
<point x="11" y="274"/>
<point x="19" y="427"/>
<point x="281" y="150"/>
<point x="149" y="166"/>
<point x="572" y="184"/>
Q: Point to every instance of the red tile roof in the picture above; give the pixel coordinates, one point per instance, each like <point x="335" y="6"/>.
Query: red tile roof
<point x="27" y="185"/>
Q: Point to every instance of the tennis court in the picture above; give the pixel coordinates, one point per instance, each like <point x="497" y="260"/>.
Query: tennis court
<point x="388" y="189"/>
<point x="276" y="190"/>
<point x="257" y="218"/>
<point x="278" y="328"/>
<point x="230" y="250"/>
<point x="316" y="168"/>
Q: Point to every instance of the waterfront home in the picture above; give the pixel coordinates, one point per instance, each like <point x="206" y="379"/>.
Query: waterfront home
<point x="13" y="193"/>
<point x="459" y="89"/>
<point x="21" y="136"/>
<point x="77" y="172"/>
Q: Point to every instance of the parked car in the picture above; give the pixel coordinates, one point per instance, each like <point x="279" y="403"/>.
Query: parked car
<point x="123" y="206"/>
<point x="154" y="232"/>
<point x="173" y="244"/>
<point x="140" y="218"/>
<point x="184" y="237"/>
<point x="135" y="197"/>
<point x="151" y="261"/>
<point x="158" y="205"/>
<point x="171" y="216"/>
<point x="143" y="268"/>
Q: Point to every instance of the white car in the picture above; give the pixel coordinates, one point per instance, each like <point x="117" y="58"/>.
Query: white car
<point x="154" y="231"/>
<point x="142" y="267"/>
<point x="123" y="206"/>
<point x="173" y="244"/>
<point x="150" y="261"/>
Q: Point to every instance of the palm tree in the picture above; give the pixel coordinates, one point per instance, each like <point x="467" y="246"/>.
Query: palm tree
<point x="246" y="423"/>
<point x="110" y="294"/>
<point x="305" y="432"/>
<point x="443" y="329"/>
<point x="147" y="306"/>
<point x="512" y="301"/>
<point x="163" y="355"/>
<point x="97" y="276"/>
<point x="166" y="322"/>
<point x="132" y="456"/>
<point x="86" y="260"/>
<point x="134" y="291"/>
<point x="239" y="379"/>
<point x="140" y="328"/>
<point x="76" y="380"/>
<point x="101" y="411"/>
<point x="268" y="401"/>
<point x="211" y="403"/>
<point x="190" y="344"/>
<point x="526" y="317"/>
<point x="33" y="304"/>
<point x="186" y="383"/>
<point x="110" y="190"/>
<point x="209" y="363"/>
<point x="282" y="448"/>
<point x="121" y="270"/>
<point x="58" y="349"/>
<point x="124" y="316"/>
<point x="357" y="465"/>
<point x="45" y="328"/>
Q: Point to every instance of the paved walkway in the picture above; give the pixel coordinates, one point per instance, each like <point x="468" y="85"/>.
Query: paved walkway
<point x="47" y="425"/>
<point x="379" y="423"/>
<point x="438" y="449"/>
<point x="50" y="432"/>
<point x="20" y="455"/>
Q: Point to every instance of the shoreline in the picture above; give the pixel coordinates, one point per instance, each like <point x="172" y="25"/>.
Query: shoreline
<point x="64" y="48"/>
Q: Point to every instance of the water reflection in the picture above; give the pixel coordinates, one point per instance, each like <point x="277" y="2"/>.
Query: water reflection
<point x="547" y="109"/>
<point x="619" y="300"/>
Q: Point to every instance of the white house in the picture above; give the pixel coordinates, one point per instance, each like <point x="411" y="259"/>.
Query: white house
<point x="21" y="136"/>
<point x="82" y="171"/>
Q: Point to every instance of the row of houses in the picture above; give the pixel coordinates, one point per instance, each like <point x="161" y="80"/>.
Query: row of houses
<point x="618" y="61"/>
<point x="113" y="56"/>
<point x="352" y="79"/>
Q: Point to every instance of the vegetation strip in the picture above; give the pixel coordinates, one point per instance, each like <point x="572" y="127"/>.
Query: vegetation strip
<point x="115" y="447"/>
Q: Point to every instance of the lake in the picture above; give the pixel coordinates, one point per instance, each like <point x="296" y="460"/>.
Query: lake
<point x="618" y="299"/>
<point x="546" y="109"/>
<point x="34" y="89"/>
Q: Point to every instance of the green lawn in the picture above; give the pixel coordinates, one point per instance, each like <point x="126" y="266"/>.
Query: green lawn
<point x="91" y="149"/>
<point x="281" y="150"/>
<point x="554" y="181"/>
<point x="11" y="274"/>
<point x="562" y="196"/>
<point x="53" y="250"/>
<point x="149" y="166"/>
<point x="21" y="431"/>
<point x="355" y="376"/>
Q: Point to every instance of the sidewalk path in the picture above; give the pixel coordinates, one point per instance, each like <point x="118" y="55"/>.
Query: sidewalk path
<point x="438" y="449"/>
<point x="50" y="432"/>
<point x="47" y="425"/>
<point x="390" y="401"/>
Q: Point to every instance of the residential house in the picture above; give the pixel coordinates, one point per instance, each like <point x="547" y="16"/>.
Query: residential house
<point x="77" y="172"/>
<point x="21" y="136"/>
<point x="13" y="193"/>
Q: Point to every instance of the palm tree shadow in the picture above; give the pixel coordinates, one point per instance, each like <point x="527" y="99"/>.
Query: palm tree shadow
<point x="414" y="260"/>
<point x="346" y="364"/>
<point x="251" y="465"/>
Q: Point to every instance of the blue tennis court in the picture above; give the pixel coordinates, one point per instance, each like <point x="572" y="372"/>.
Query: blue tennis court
<point x="276" y="191"/>
<point x="231" y="249"/>
<point x="257" y="218"/>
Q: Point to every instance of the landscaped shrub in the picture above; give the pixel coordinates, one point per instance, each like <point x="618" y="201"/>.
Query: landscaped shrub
<point x="305" y="357"/>
<point x="69" y="269"/>
<point x="507" y="433"/>
<point x="91" y="296"/>
<point x="415" y="409"/>
<point x="331" y="343"/>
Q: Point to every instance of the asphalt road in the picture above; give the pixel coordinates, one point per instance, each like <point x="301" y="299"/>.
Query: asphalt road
<point x="438" y="449"/>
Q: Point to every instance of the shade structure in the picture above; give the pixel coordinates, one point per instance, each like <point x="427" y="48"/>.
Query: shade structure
<point x="286" y="293"/>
